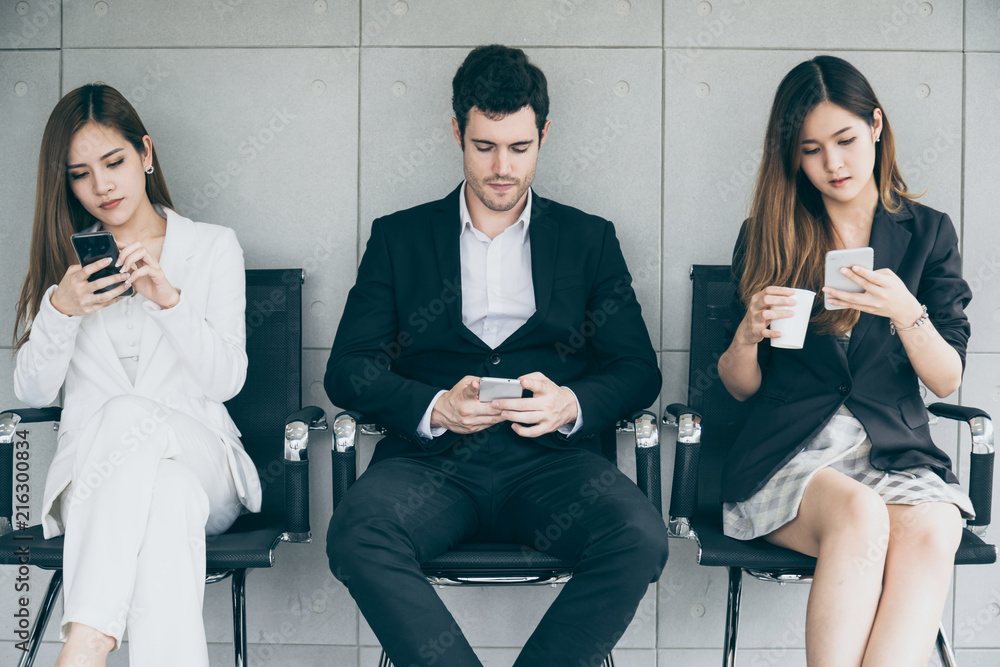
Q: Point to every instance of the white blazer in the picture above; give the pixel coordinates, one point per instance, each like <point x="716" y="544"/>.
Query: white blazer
<point x="192" y="357"/>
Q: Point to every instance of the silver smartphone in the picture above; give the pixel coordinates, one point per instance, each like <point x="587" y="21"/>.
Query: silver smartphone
<point x="492" y="389"/>
<point x="838" y="259"/>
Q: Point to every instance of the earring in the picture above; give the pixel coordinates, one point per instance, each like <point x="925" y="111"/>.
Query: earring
<point x="150" y="170"/>
<point x="877" y="139"/>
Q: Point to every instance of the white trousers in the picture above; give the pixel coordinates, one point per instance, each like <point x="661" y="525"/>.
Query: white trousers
<point x="148" y="484"/>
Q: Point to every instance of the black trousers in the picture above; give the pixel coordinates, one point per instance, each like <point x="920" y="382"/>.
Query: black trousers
<point x="497" y="487"/>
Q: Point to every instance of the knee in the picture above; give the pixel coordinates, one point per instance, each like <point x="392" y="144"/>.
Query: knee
<point x="642" y="542"/>
<point x="129" y="405"/>
<point x="861" y="513"/>
<point x="354" y="545"/>
<point x="933" y="532"/>
<point x="125" y="421"/>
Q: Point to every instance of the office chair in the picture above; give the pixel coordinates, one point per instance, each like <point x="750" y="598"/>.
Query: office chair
<point x="710" y="422"/>
<point x="268" y="411"/>
<point x="499" y="564"/>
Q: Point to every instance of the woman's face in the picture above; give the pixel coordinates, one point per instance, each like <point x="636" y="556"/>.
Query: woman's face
<point x="837" y="152"/>
<point x="106" y="173"/>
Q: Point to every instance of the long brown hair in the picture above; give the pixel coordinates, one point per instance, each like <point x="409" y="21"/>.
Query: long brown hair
<point x="58" y="214"/>
<point x="788" y="231"/>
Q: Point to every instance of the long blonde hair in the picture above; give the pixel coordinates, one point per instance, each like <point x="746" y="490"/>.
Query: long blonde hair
<point x="58" y="214"/>
<point x="788" y="231"/>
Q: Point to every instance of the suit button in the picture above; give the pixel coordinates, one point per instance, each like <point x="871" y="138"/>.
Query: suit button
<point x="845" y="389"/>
<point x="494" y="358"/>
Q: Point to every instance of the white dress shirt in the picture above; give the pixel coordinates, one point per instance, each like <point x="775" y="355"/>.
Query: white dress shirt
<point x="498" y="295"/>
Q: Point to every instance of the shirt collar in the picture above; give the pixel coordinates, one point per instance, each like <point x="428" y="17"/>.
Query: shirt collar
<point x="463" y="212"/>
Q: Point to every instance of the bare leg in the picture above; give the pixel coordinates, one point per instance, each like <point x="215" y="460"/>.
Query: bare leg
<point x="85" y="647"/>
<point x="845" y="525"/>
<point x="923" y="540"/>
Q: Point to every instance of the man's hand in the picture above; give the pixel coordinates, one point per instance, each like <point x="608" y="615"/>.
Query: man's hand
<point x="459" y="409"/>
<point x="549" y="408"/>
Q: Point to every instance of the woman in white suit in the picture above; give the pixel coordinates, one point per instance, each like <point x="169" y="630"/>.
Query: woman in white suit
<point x="148" y="459"/>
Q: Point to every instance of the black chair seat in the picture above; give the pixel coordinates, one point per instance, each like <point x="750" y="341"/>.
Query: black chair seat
<point x="495" y="560"/>
<point x="717" y="550"/>
<point x="236" y="550"/>
<point x="43" y="553"/>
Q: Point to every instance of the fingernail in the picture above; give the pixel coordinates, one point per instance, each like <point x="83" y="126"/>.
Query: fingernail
<point x="106" y="260"/>
<point x="495" y="404"/>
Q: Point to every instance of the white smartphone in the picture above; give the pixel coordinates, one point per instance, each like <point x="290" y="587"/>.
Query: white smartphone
<point x="492" y="389"/>
<point x="838" y="259"/>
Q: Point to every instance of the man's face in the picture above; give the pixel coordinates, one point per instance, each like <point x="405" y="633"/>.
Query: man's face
<point x="499" y="156"/>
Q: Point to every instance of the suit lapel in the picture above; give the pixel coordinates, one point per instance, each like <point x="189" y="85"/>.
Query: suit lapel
<point x="179" y="246"/>
<point x="889" y="240"/>
<point x="544" y="235"/>
<point x="445" y="229"/>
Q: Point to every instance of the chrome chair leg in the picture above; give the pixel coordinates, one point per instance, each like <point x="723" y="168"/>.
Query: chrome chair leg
<point x="240" y="617"/>
<point x="609" y="661"/>
<point x="384" y="661"/>
<point x="732" y="616"/>
<point x="944" y="648"/>
<point x="44" y="612"/>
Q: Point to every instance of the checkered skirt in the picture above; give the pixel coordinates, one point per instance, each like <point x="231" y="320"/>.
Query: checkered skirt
<point x="844" y="446"/>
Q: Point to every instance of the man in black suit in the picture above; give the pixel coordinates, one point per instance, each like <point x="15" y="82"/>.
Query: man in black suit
<point x="494" y="281"/>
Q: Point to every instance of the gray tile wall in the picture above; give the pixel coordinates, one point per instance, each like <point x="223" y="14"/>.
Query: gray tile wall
<point x="296" y="123"/>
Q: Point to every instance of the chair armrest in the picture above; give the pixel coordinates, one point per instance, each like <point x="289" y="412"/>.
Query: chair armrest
<point x="647" y="455"/>
<point x="981" y="459"/>
<point x="297" y="427"/>
<point x="684" y="491"/>
<point x="961" y="413"/>
<point x="346" y="428"/>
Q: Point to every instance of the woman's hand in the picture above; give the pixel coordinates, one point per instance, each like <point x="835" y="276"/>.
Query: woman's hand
<point x="146" y="275"/>
<point x="76" y="296"/>
<point x="885" y="295"/>
<point x="762" y="309"/>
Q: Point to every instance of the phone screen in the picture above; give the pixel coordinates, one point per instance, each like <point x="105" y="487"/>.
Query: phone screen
<point x="94" y="246"/>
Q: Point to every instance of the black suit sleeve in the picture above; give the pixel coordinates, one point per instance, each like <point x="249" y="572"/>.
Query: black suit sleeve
<point x="626" y="376"/>
<point x="358" y="374"/>
<point x="943" y="290"/>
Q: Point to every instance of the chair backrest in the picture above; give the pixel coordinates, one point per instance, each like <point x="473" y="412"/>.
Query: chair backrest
<point x="273" y="388"/>
<point x="714" y="318"/>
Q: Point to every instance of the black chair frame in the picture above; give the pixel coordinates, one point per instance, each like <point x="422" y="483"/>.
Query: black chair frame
<point x="267" y="408"/>
<point x="498" y="564"/>
<point x="713" y="418"/>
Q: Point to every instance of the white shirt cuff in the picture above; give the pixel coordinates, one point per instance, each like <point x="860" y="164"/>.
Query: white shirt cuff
<point x="424" y="428"/>
<point x="569" y="429"/>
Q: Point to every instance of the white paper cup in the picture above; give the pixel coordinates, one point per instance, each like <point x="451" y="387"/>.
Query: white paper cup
<point x="793" y="329"/>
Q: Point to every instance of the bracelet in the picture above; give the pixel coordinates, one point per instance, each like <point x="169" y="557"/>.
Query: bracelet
<point x="921" y="321"/>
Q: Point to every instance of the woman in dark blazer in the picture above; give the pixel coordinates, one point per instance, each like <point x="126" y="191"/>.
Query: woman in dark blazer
<point x="836" y="459"/>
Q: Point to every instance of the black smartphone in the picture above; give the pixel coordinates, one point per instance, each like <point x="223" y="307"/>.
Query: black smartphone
<point x="93" y="246"/>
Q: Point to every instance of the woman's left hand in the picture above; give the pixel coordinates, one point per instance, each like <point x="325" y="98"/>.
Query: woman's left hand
<point x="146" y="275"/>
<point x="885" y="295"/>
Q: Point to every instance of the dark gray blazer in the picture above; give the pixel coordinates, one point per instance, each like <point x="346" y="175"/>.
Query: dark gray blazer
<point x="802" y="389"/>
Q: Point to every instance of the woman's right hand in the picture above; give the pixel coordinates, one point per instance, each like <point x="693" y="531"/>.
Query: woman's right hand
<point x="76" y="296"/>
<point x="763" y="308"/>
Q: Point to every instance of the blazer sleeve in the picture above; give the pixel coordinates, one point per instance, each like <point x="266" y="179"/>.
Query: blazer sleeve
<point x="943" y="290"/>
<point x="358" y="374"/>
<point x="42" y="362"/>
<point x="212" y="345"/>
<point x="626" y="375"/>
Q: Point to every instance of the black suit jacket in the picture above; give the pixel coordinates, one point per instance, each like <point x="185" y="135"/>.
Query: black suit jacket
<point x="802" y="389"/>
<point x="401" y="338"/>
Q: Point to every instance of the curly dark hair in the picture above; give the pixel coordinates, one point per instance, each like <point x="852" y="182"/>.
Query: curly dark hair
<point x="498" y="80"/>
